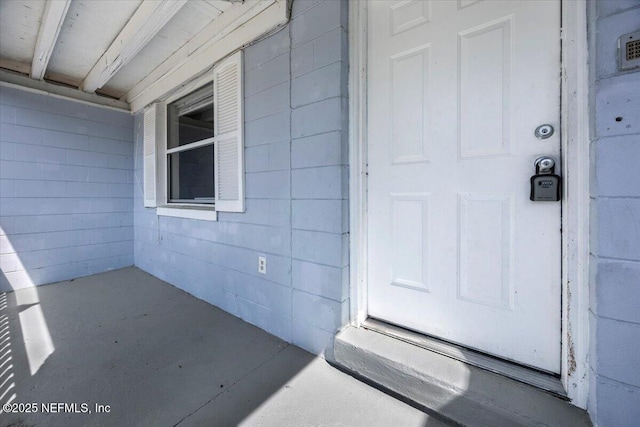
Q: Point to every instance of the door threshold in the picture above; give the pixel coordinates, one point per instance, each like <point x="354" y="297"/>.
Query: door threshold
<point x="547" y="382"/>
<point x="458" y="392"/>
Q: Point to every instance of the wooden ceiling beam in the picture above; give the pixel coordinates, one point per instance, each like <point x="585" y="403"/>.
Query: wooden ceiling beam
<point x="54" y="14"/>
<point x="150" y="17"/>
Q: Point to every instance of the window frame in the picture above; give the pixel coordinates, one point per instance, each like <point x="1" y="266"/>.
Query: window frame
<point x="187" y="147"/>
<point x="229" y="178"/>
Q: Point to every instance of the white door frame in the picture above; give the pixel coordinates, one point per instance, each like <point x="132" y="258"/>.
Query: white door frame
<point x="575" y="203"/>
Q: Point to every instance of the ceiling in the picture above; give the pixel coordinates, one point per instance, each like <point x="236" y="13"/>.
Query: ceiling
<point x="106" y="47"/>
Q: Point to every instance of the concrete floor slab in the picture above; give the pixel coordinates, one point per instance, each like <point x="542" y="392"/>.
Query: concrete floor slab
<point x="461" y="392"/>
<point x="160" y="357"/>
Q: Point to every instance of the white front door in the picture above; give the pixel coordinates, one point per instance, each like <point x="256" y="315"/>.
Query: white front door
<point x="456" y="249"/>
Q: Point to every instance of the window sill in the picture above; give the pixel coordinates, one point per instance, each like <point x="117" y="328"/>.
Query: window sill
<point x="192" y="212"/>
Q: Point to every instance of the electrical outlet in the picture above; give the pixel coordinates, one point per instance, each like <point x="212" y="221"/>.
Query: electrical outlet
<point x="262" y="265"/>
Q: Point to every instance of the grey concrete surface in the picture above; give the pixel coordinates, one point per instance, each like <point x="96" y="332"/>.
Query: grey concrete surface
<point x="160" y="357"/>
<point x="464" y="394"/>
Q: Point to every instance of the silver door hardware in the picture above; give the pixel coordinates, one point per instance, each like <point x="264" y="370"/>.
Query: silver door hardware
<point x="544" y="131"/>
<point x="545" y="185"/>
<point x="544" y="165"/>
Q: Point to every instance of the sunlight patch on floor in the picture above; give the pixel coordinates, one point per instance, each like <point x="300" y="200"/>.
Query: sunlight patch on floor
<point x="35" y="332"/>
<point x="320" y="392"/>
<point x="6" y="366"/>
<point x="36" y="337"/>
<point x="27" y="296"/>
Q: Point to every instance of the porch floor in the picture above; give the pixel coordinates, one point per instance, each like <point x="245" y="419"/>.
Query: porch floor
<point x="160" y="357"/>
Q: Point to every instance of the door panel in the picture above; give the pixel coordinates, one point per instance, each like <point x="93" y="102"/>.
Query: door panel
<point x="456" y="248"/>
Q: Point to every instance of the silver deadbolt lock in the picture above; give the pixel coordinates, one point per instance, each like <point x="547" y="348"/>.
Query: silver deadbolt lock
<point x="544" y="165"/>
<point x="545" y="185"/>
<point x="544" y="131"/>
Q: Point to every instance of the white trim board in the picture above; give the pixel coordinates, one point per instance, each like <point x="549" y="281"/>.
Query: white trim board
<point x="575" y="204"/>
<point x="358" y="161"/>
<point x="190" y="212"/>
<point x="22" y="82"/>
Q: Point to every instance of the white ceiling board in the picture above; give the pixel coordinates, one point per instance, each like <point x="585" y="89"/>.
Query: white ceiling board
<point x="183" y="26"/>
<point x="19" y="25"/>
<point x="183" y="44"/>
<point x="90" y="28"/>
<point x="150" y="18"/>
<point x="237" y="14"/>
<point x="237" y="26"/>
<point x="221" y="5"/>
<point x="210" y="7"/>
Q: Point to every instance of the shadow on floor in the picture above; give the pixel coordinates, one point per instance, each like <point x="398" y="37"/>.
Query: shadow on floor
<point x="153" y="355"/>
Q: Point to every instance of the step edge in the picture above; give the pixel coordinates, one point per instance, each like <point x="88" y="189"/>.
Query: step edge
<point x="354" y="349"/>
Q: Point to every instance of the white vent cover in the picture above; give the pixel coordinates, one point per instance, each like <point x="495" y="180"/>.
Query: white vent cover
<point x="629" y="51"/>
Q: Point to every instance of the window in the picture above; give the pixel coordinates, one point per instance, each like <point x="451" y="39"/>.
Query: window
<point x="190" y="163"/>
<point x="194" y="149"/>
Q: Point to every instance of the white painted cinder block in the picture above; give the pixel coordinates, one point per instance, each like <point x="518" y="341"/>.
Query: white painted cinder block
<point x="618" y="168"/>
<point x="618" y="105"/>
<point x="615" y="215"/>
<point x="294" y="217"/>
<point x="47" y="214"/>
<point x="273" y="128"/>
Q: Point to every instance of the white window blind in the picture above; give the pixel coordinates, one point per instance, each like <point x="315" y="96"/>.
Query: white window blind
<point x="229" y="138"/>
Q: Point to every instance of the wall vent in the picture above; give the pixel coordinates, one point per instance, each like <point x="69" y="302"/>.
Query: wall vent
<point x="629" y="51"/>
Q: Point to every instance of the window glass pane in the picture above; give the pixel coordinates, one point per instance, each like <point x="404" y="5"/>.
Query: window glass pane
<point x="191" y="118"/>
<point x="191" y="175"/>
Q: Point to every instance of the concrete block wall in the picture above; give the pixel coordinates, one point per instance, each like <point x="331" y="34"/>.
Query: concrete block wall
<point x="66" y="196"/>
<point x="615" y="207"/>
<point x="296" y="192"/>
